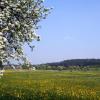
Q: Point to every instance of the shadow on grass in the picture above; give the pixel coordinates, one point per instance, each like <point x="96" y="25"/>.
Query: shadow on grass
<point x="9" y="97"/>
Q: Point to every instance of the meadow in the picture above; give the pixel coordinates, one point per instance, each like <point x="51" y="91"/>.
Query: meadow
<point x="50" y="85"/>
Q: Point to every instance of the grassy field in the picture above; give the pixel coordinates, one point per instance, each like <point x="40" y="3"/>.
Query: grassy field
<point x="50" y="85"/>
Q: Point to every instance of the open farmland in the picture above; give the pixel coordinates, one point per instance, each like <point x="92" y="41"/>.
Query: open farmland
<point x="50" y="85"/>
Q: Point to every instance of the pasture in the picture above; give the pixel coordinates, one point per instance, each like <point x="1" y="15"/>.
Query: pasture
<point x="50" y="85"/>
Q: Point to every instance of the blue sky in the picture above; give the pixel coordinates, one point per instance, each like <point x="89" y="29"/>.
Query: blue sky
<point x="71" y="31"/>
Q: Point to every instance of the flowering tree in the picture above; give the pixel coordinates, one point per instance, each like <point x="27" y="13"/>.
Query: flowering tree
<point x="18" y="22"/>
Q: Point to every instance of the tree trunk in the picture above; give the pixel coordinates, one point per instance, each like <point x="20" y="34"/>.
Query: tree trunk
<point x="1" y="65"/>
<point x="1" y="69"/>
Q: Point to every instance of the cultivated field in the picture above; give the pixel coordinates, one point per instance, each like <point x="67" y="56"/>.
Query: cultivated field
<point x="50" y="85"/>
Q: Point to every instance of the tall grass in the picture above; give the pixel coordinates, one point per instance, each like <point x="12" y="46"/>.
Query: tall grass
<point x="50" y="85"/>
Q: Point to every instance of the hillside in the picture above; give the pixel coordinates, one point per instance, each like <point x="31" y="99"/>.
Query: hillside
<point x="76" y="62"/>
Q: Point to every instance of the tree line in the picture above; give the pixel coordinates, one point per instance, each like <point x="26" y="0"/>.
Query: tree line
<point x="73" y="64"/>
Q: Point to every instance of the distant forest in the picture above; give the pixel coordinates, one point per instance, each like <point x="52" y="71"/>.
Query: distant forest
<point x="77" y="62"/>
<point x="70" y="64"/>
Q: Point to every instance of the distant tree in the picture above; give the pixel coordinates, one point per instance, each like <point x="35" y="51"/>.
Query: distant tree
<point x="18" y="22"/>
<point x="26" y="66"/>
<point x="60" y="68"/>
<point x="71" y="68"/>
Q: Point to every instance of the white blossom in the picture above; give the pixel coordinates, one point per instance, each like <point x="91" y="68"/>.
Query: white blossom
<point x="18" y="19"/>
<point x="1" y="33"/>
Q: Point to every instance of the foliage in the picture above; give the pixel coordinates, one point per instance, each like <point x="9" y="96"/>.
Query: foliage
<point x="18" y="22"/>
<point x="50" y="85"/>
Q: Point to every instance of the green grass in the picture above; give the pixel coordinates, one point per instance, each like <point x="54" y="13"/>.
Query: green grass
<point x="50" y="85"/>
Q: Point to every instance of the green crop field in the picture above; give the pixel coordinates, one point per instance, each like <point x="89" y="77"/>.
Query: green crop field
<point x="50" y="85"/>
